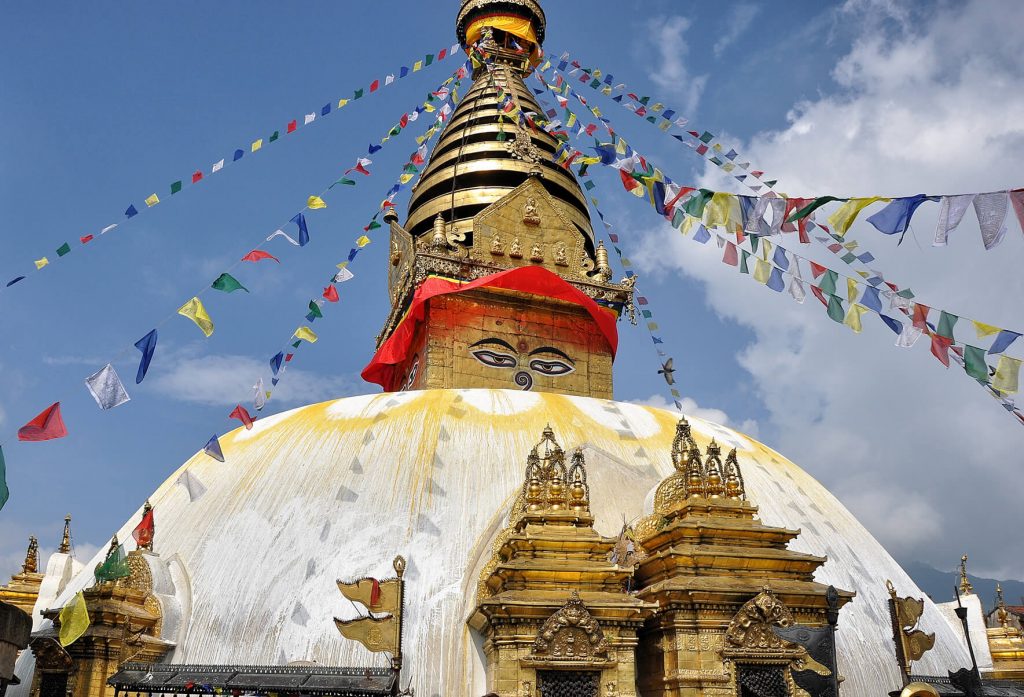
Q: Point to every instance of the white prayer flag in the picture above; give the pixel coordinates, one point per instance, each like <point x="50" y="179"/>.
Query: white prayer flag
<point x="218" y="166"/>
<point x="951" y="212"/>
<point x="389" y="79"/>
<point x="909" y="336"/>
<point x="108" y="229"/>
<point x="106" y="388"/>
<point x="991" y="210"/>
<point x="260" y="397"/>
<point x="282" y="233"/>
<point x="192" y="485"/>
<point x="343" y="275"/>
<point x="309" y="119"/>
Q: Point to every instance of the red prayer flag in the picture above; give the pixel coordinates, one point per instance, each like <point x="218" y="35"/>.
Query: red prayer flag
<point x="591" y="129"/>
<point x="817" y="269"/>
<point x="289" y="357"/>
<point x="242" y="415"/>
<point x="196" y="176"/>
<point x="628" y="181"/>
<point x="921" y="318"/>
<point x="292" y="125"/>
<point x="441" y="54"/>
<point x="86" y="240"/>
<point x="374" y="85"/>
<point x="940" y="348"/>
<point x="331" y="294"/>
<point x="258" y="255"/>
<point x="819" y="295"/>
<point x="730" y="256"/>
<point x="143" y="533"/>
<point x="47" y="426"/>
<point x="359" y="168"/>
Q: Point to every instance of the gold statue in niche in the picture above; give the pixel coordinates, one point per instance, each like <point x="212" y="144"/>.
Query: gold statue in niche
<point x="561" y="258"/>
<point x="537" y="253"/>
<point x="497" y="247"/>
<point x="547" y="361"/>
<point x="531" y="216"/>
<point x="516" y="249"/>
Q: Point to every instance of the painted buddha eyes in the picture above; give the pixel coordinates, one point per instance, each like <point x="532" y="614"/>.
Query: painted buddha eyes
<point x="546" y="360"/>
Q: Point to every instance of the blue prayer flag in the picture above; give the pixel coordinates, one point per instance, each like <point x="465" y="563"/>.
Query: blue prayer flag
<point x="669" y="113"/>
<point x="326" y="110"/>
<point x="212" y="448"/>
<point x="374" y="148"/>
<point x="871" y="300"/>
<point x="780" y="259"/>
<point x="702" y="235"/>
<point x="274" y="381"/>
<point x="866" y="258"/>
<point x="1003" y="341"/>
<point x="275" y="363"/>
<point x="11" y="283"/>
<point x="403" y="72"/>
<point x="300" y="220"/>
<point x="131" y="211"/>
<point x="656" y="339"/>
<point x="147" y="345"/>
<point x="893" y="324"/>
<point x="352" y="253"/>
<point x="238" y="155"/>
<point x="775" y="281"/>
<point x="5" y="493"/>
<point x="895" y="218"/>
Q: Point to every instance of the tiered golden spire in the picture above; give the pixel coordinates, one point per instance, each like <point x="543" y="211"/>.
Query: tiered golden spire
<point x="965" y="585"/>
<point x="698" y="477"/>
<point x="65" y="541"/>
<point x="551" y="487"/>
<point x="1001" y="614"/>
<point x="31" y="563"/>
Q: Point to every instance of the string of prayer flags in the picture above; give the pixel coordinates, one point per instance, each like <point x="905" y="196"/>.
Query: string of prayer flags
<point x="195" y="311"/>
<point x="259" y="255"/>
<point x="5" y="492"/>
<point x="242" y="415"/>
<point x="74" y="620"/>
<point x="193" y="486"/>
<point x="106" y="388"/>
<point x="227" y="284"/>
<point x="48" y="425"/>
<point x="147" y="345"/>
<point x="213" y="449"/>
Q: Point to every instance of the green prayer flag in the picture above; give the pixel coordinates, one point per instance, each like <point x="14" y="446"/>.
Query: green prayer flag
<point x="647" y="314"/>
<point x="114" y="566"/>
<point x="5" y="493"/>
<point x="64" y="249"/>
<point x="677" y="218"/>
<point x="228" y="283"/>
<point x="589" y="185"/>
<point x="501" y="136"/>
<point x="410" y="168"/>
<point x="755" y="240"/>
<point x="828" y="283"/>
<point x="429" y="59"/>
<point x="359" y="94"/>
<point x="651" y="119"/>
<point x="314" y="309"/>
<point x="395" y="131"/>
<point x="835" y="309"/>
<point x="296" y="344"/>
<point x="645" y="100"/>
<point x="275" y="136"/>
<point x="594" y="84"/>
<point x="707" y="137"/>
<point x="975" y="364"/>
<point x="946" y="323"/>
<point x="697" y="201"/>
<point x="374" y="225"/>
<point x="175" y="187"/>
<point x="744" y="255"/>
<point x="346" y="182"/>
<point x="848" y="257"/>
<point x="811" y="207"/>
<point x="771" y="182"/>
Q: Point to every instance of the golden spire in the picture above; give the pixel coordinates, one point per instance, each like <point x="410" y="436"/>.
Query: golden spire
<point x="65" y="542"/>
<point x="31" y="563"/>
<point x="713" y="484"/>
<point x="734" y="487"/>
<point x="1001" y="614"/>
<point x="965" y="585"/>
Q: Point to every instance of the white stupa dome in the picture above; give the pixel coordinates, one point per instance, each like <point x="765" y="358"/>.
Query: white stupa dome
<point x="337" y="490"/>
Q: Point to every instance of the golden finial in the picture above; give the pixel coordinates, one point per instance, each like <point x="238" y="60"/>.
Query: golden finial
<point x="31" y="564"/>
<point x="439" y="240"/>
<point x="713" y="485"/>
<point x="965" y="585"/>
<point x="1001" y="614"/>
<point x="734" y="487"/>
<point x="603" y="270"/>
<point x="65" y="542"/>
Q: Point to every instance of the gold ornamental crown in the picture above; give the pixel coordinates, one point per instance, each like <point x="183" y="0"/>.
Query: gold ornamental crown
<point x="472" y="8"/>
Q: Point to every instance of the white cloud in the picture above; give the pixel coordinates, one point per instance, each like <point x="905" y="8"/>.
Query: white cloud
<point x="739" y="20"/>
<point x="673" y="75"/>
<point x="219" y="380"/>
<point x="691" y="408"/>
<point x="929" y="462"/>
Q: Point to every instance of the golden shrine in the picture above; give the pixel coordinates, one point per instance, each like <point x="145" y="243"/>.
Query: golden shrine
<point x="656" y="556"/>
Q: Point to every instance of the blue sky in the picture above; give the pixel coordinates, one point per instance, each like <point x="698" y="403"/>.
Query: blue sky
<point x="101" y="109"/>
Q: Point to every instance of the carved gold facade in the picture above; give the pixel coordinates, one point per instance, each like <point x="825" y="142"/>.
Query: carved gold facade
<point x="125" y="625"/>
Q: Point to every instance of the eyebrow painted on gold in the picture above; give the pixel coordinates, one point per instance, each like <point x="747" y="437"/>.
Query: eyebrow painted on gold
<point x="494" y="342"/>
<point x="552" y="349"/>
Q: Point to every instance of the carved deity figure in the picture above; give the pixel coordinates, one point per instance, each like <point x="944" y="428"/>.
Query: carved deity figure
<point x="516" y="249"/>
<point x="561" y="258"/>
<point x="497" y="247"/>
<point x="530" y="215"/>
<point x="536" y="253"/>
<point x="396" y="254"/>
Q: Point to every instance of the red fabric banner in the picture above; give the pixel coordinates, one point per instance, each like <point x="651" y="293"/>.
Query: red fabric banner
<point x="47" y="426"/>
<point x="528" y="279"/>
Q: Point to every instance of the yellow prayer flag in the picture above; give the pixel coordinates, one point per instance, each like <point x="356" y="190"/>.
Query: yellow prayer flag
<point x="152" y="200"/>
<point x="417" y="66"/>
<point x="717" y="147"/>
<point x="657" y="106"/>
<point x="620" y="147"/>
<point x="74" y="620"/>
<point x="40" y="263"/>
<point x="852" y="289"/>
<point x="342" y="102"/>
<point x="362" y="241"/>
<point x="343" y="265"/>
<point x="853" y="317"/>
<point x="315" y="202"/>
<point x="1007" y="375"/>
<point x="843" y="218"/>
<point x="728" y="167"/>
<point x="195" y="311"/>
<point x="571" y="121"/>
<point x="429" y="108"/>
<point x="546" y="66"/>
<point x="307" y="334"/>
<point x="687" y="224"/>
<point x="606" y="91"/>
<point x="664" y="125"/>
<point x="597" y="112"/>
<point x="766" y="249"/>
<point x="850" y="246"/>
<point x="984" y="330"/>
<point x="762" y="271"/>
<point x="721" y="209"/>
<point x="405" y="178"/>
<point x="257" y="144"/>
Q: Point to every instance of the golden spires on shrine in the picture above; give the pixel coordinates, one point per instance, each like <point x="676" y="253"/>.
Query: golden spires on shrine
<point x="698" y="477"/>
<point x="65" y="540"/>
<point x="965" y="585"/>
<point x="31" y="563"/>
<point x="550" y="487"/>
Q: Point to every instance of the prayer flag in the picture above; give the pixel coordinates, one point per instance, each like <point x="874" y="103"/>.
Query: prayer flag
<point x="331" y="294"/>
<point x="309" y="118"/>
<point x="951" y="212"/>
<point x="762" y="271"/>
<point x="259" y="399"/>
<point x="1007" y="375"/>
<point x="5" y="493"/>
<point x="852" y="319"/>
<point x="305" y="333"/>
<point x="282" y="233"/>
<point x="275" y="362"/>
<point x="195" y="311"/>
<point x="11" y="283"/>
<point x="258" y="255"/>
<point x="894" y="219"/>
<point x="991" y="210"/>
<point x="828" y="282"/>
<point x="48" y="425"/>
<point x="292" y="125"/>
<point x="242" y="415"/>
<point x="193" y="486"/>
<point x="175" y="187"/>
<point x="814" y="205"/>
<point x="940" y="348"/>
<point x="344" y="181"/>
<point x="776" y="282"/>
<point x="1017" y="199"/>
<point x="975" y="364"/>
<point x="217" y="166"/>
<point x="835" y="309"/>
<point x="106" y="388"/>
<point x="984" y="330"/>
<point x="1003" y="341"/>
<point x="843" y="218"/>
<point x="730" y="257"/>
<point x="326" y="109"/>
<point x="114" y="566"/>
<point x="212" y="448"/>
<point x="852" y="289"/>
<point x="152" y="200"/>
<point x="64" y="249"/>
<point x="74" y="620"/>
<point x="238" y="155"/>
<point x="315" y="202"/>
<point x="257" y="144"/>
<point x="314" y="311"/>
<point x="228" y="284"/>
<point x="40" y="263"/>
<point x="362" y="241"/>
<point x="131" y="211"/>
<point x="274" y="136"/>
<point x="147" y="345"/>
<point x="871" y="300"/>
<point x="946" y="324"/>
<point x="143" y="532"/>
<point x="300" y="221"/>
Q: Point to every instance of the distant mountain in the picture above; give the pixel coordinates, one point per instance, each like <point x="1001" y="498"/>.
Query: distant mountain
<point x="939" y="585"/>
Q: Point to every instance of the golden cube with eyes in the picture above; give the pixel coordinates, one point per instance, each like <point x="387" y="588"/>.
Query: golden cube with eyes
<point x="506" y="339"/>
